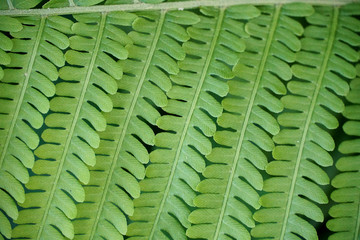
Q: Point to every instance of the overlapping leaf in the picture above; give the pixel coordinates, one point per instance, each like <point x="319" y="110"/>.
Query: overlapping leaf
<point x="303" y="144"/>
<point x="204" y="176"/>
<point x="72" y="126"/>
<point x="25" y="88"/>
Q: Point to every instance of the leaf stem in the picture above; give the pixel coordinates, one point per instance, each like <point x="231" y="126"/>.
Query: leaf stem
<point x="71" y="3"/>
<point x="160" y="6"/>
<point x="11" y="6"/>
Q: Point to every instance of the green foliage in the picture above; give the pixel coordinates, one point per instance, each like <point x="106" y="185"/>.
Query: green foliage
<point x="191" y="123"/>
<point x="303" y="142"/>
<point x="347" y="194"/>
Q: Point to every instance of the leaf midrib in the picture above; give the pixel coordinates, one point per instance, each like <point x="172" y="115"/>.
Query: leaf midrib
<point x="161" y="6"/>
<point x="247" y="117"/>
<point x="71" y="3"/>
<point x="75" y="120"/>
<point x="11" y="6"/>
<point x="308" y="120"/>
<point x="188" y="119"/>
<point x="23" y="90"/>
<point x="127" y="121"/>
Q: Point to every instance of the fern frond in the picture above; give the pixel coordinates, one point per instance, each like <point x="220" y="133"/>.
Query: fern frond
<point x="229" y="193"/>
<point x="25" y="89"/>
<point x="160" y="122"/>
<point x="168" y="189"/>
<point x="304" y="142"/>
<point x="76" y="117"/>
<point x="123" y="148"/>
<point x="346" y="211"/>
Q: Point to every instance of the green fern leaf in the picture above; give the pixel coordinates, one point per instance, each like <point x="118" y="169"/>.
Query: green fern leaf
<point x="25" y="89"/>
<point x="346" y="220"/>
<point x="161" y="212"/>
<point x="303" y="143"/>
<point x="159" y="123"/>
<point x="72" y="127"/>
<point x="171" y="28"/>
<point x="141" y="92"/>
<point x="233" y="178"/>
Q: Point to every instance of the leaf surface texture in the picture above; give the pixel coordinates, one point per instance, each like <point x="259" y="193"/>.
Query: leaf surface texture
<point x="164" y="119"/>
